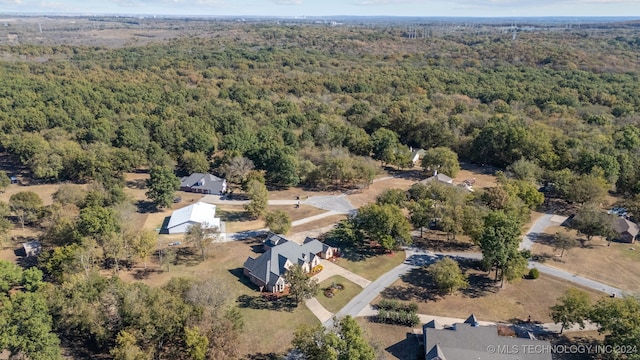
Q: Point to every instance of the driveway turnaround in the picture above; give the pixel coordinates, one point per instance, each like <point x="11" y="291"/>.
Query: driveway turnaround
<point x="330" y="269"/>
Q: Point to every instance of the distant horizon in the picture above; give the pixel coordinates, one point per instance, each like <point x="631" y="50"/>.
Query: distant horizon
<point x="328" y="8"/>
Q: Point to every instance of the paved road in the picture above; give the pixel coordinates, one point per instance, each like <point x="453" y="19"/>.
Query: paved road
<point x="360" y="305"/>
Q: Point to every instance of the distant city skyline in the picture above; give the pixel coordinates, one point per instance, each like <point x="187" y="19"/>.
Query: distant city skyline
<point x="298" y="8"/>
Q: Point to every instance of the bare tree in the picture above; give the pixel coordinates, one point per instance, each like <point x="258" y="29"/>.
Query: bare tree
<point x="237" y="169"/>
<point x="201" y="235"/>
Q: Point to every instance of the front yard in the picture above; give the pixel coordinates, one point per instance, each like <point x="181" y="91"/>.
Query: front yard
<point x="340" y="296"/>
<point x="617" y="265"/>
<point x="484" y="298"/>
<point x="370" y="266"/>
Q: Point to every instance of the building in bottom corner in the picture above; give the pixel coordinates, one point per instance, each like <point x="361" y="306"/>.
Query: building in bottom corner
<point x="472" y="341"/>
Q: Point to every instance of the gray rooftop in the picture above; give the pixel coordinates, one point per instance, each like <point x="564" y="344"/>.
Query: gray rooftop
<point x="201" y="181"/>
<point x="465" y="341"/>
<point x="269" y="266"/>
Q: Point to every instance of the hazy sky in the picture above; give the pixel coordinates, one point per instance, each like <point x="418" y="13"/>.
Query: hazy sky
<point x="484" y="8"/>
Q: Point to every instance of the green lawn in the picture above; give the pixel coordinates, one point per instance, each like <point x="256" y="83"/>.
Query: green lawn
<point x="373" y="267"/>
<point x="340" y="298"/>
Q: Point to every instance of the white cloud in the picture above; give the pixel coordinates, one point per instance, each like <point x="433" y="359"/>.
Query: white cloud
<point x="10" y="2"/>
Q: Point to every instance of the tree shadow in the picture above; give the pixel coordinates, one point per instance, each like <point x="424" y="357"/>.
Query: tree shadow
<point x="137" y="184"/>
<point x="357" y="253"/>
<point x="234" y="216"/>
<point x="444" y="245"/>
<point x="420" y="286"/>
<point x="142" y="274"/>
<point x="187" y="256"/>
<point x="263" y="356"/>
<point x="543" y="238"/>
<point x="266" y="302"/>
<point x="146" y="207"/>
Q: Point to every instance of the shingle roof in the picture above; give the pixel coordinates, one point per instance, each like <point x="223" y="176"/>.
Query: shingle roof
<point x="274" y="240"/>
<point x="438" y="177"/>
<point x="203" y="181"/>
<point x="199" y="212"/>
<point x="465" y="342"/>
<point x="621" y="225"/>
<point x="269" y="266"/>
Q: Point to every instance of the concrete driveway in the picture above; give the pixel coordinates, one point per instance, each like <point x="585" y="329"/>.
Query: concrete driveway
<point x="330" y="269"/>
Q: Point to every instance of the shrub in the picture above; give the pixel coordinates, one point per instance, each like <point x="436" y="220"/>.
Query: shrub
<point x="534" y="273"/>
<point x="395" y="305"/>
<point x="404" y="318"/>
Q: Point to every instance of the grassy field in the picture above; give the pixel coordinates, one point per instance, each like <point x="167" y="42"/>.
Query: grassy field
<point x="392" y="341"/>
<point x="372" y="267"/>
<point x="513" y="303"/>
<point x="617" y="265"/>
<point x="340" y="298"/>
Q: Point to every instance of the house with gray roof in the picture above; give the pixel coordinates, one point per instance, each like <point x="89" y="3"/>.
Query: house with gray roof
<point x="203" y="184"/>
<point x="267" y="271"/>
<point x="470" y="340"/>
<point x="439" y="178"/>
<point x="625" y="229"/>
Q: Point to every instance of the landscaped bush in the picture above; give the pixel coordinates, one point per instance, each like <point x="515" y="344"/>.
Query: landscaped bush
<point x="534" y="273"/>
<point x="404" y="318"/>
<point x="395" y="305"/>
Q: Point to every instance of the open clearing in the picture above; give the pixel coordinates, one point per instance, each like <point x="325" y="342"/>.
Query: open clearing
<point x="369" y="194"/>
<point x="617" y="265"/>
<point x="513" y="303"/>
<point x="370" y="267"/>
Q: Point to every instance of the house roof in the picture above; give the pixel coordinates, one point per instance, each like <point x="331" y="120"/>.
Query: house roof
<point x="199" y="212"/>
<point x="203" y="181"/>
<point x="274" y="240"/>
<point x="438" y="177"/>
<point x="464" y="341"/>
<point x="269" y="266"/>
<point x="621" y="225"/>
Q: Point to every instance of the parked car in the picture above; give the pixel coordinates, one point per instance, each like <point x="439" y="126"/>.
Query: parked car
<point x="177" y="199"/>
<point x="175" y="243"/>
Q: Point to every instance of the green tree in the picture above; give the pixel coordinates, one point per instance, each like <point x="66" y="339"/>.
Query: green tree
<point x="526" y="170"/>
<point x="587" y="189"/>
<point x="278" y="222"/>
<point x="258" y="198"/>
<point x="619" y="319"/>
<point x="28" y="327"/>
<point x="143" y="245"/>
<point x="10" y="275"/>
<point x="441" y="159"/>
<point x="447" y="275"/>
<point x="27" y="206"/>
<point x="499" y="241"/>
<point x="396" y="197"/>
<point x="572" y="307"/>
<point x="591" y="221"/>
<point x="421" y="213"/>
<point x="385" y="224"/>
<point x="98" y="221"/>
<point x="300" y="285"/>
<point x="201" y="235"/>
<point x="127" y="348"/>
<point x="162" y="186"/>
<point x="197" y="344"/>
<point x="194" y="162"/>
<point x="345" y="342"/>
<point x="564" y="242"/>
<point x="4" y="181"/>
